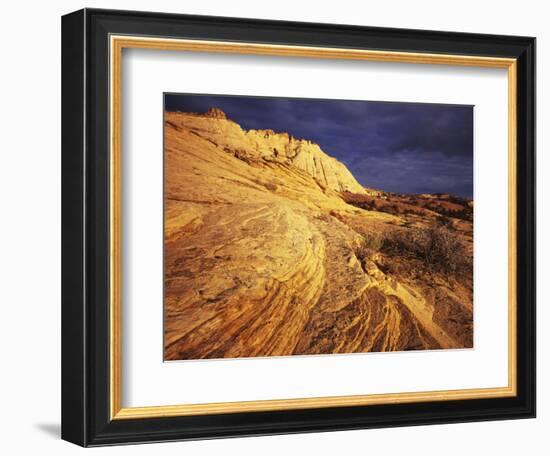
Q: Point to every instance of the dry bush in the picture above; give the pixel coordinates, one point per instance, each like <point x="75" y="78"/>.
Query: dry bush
<point x="373" y="241"/>
<point x="437" y="248"/>
<point x="445" y="221"/>
<point x="370" y="244"/>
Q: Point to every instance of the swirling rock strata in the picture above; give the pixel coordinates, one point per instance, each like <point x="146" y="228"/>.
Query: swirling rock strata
<point x="262" y="254"/>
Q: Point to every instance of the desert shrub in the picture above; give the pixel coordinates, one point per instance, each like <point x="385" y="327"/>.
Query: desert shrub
<point x="369" y="205"/>
<point x="389" y="208"/>
<point x="370" y="244"/>
<point x="437" y="248"/>
<point x="271" y="186"/>
<point x="446" y="222"/>
<point x="373" y="241"/>
<point x="458" y="200"/>
<point x="465" y="213"/>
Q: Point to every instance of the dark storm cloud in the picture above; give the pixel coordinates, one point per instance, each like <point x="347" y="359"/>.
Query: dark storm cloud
<point x="399" y="147"/>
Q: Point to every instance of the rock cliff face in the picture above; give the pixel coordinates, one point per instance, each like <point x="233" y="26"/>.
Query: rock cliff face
<point x="266" y="145"/>
<point x="264" y="256"/>
<point x="305" y="155"/>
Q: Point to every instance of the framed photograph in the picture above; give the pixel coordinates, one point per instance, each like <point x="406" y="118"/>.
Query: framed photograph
<point x="278" y="227"/>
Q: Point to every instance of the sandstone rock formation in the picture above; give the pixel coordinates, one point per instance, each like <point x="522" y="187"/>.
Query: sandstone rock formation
<point x="266" y="252"/>
<point x="215" y="113"/>
<point x="274" y="147"/>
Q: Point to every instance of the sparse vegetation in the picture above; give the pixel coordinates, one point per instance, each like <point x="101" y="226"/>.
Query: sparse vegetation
<point x="465" y="213"/>
<point x="373" y="241"/>
<point x="446" y="222"/>
<point x="370" y="244"/>
<point x="445" y="205"/>
<point x="437" y="248"/>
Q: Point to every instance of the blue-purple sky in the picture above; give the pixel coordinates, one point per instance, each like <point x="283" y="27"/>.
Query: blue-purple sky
<point x="397" y="147"/>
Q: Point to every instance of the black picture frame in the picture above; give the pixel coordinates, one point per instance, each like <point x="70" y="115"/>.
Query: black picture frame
<point x="85" y="228"/>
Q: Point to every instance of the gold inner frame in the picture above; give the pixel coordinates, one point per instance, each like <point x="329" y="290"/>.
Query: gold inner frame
<point x="117" y="44"/>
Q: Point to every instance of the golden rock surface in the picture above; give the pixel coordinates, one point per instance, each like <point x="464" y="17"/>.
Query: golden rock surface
<point x="261" y="253"/>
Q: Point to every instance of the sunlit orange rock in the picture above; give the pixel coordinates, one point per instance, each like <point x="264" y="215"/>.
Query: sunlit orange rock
<point x="269" y="251"/>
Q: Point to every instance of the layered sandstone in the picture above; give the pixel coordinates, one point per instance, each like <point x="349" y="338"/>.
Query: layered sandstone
<point x="263" y="255"/>
<point x="267" y="145"/>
